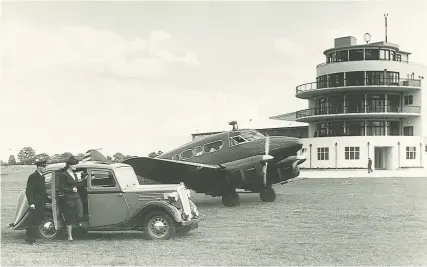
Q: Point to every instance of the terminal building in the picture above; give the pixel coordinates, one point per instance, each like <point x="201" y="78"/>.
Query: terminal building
<point x="367" y="102"/>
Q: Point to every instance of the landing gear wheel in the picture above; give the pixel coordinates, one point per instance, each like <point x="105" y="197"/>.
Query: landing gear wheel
<point x="158" y="225"/>
<point x="231" y="199"/>
<point x="268" y="195"/>
<point x="47" y="227"/>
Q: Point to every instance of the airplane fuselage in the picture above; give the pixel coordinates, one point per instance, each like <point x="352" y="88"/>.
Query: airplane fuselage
<point x="237" y="145"/>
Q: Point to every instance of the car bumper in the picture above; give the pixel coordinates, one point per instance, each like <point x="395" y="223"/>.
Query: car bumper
<point x="193" y="223"/>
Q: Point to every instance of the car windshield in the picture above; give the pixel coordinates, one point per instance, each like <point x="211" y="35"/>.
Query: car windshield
<point x="126" y="177"/>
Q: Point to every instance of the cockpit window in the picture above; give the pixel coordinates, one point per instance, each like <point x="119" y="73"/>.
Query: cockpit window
<point x="244" y="137"/>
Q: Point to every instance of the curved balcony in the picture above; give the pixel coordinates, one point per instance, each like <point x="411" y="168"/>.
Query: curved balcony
<point x="313" y="89"/>
<point x="350" y="112"/>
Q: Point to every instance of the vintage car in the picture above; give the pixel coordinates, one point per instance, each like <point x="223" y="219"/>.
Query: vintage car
<point x="114" y="200"/>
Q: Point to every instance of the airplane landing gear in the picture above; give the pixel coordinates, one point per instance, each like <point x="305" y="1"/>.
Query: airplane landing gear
<point x="231" y="199"/>
<point x="268" y="195"/>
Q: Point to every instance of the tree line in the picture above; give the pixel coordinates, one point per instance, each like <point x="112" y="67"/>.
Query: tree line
<point x="28" y="156"/>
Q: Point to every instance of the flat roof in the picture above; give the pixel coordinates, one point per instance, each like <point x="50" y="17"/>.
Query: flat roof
<point x="254" y="124"/>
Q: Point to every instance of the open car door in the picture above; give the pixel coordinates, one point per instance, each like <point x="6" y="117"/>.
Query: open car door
<point x="56" y="213"/>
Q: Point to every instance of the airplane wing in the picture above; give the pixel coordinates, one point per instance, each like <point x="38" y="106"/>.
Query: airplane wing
<point x="199" y="177"/>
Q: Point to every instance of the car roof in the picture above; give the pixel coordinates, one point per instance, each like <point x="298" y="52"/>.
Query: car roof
<point x="87" y="164"/>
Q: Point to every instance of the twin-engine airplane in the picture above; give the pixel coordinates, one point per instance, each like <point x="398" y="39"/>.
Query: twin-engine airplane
<point x="219" y="164"/>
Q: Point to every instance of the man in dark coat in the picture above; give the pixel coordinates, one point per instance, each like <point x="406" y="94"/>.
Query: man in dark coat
<point x="36" y="196"/>
<point x="370" y="165"/>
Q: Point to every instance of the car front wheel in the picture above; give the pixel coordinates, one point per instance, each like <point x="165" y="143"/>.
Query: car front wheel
<point x="158" y="225"/>
<point x="47" y="227"/>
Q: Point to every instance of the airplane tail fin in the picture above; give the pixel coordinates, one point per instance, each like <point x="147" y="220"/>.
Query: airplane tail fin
<point x="94" y="155"/>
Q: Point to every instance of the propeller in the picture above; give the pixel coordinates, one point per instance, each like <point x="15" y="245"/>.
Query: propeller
<point x="264" y="167"/>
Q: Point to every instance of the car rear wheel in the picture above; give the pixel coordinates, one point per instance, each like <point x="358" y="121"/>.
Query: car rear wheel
<point x="158" y="225"/>
<point x="47" y="227"/>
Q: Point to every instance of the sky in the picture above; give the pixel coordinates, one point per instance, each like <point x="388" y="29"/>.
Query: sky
<point x="136" y="77"/>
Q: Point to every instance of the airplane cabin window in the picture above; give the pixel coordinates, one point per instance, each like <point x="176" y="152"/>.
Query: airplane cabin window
<point x="198" y="151"/>
<point x="212" y="147"/>
<point x="175" y="157"/>
<point x="187" y="154"/>
<point x="102" y="179"/>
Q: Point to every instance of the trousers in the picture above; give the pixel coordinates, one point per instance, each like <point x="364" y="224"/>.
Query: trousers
<point x="34" y="220"/>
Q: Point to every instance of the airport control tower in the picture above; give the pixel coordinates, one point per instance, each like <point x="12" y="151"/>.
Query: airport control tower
<point x="367" y="102"/>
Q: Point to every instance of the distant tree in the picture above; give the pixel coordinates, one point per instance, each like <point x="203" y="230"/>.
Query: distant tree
<point x="2" y="163"/>
<point x="80" y="156"/>
<point x="26" y="155"/>
<point x="118" y="157"/>
<point x="159" y="152"/>
<point x="12" y="160"/>
<point x="110" y="159"/>
<point x="43" y="156"/>
<point x="56" y="158"/>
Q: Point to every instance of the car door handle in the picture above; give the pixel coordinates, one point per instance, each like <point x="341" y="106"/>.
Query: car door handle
<point x="119" y="194"/>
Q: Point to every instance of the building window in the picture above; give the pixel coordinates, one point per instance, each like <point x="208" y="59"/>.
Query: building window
<point x="323" y="153"/>
<point x="352" y="153"/>
<point x="398" y="57"/>
<point x="408" y="131"/>
<point x="341" y="56"/>
<point x="356" y="54"/>
<point x="426" y="148"/>
<point x="384" y="54"/>
<point x="411" y="152"/>
<point x="355" y="128"/>
<point x="322" y="81"/>
<point x="336" y="79"/>
<point x="355" y="78"/>
<point x="409" y="100"/>
<point x="375" y="128"/>
<point x="372" y="54"/>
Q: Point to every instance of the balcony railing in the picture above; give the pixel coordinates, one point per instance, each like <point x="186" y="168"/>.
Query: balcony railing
<point x="358" y="82"/>
<point x="356" y="109"/>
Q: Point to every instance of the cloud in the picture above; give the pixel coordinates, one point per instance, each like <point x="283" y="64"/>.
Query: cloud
<point x="89" y="50"/>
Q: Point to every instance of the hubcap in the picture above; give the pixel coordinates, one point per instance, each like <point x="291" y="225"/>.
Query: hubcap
<point x="158" y="227"/>
<point x="47" y="228"/>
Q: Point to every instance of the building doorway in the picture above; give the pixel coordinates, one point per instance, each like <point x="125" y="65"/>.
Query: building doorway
<point x="383" y="158"/>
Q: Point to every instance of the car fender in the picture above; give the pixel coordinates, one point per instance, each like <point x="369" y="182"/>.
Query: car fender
<point x="152" y="205"/>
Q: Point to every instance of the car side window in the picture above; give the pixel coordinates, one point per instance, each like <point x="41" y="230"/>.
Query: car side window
<point x="102" y="178"/>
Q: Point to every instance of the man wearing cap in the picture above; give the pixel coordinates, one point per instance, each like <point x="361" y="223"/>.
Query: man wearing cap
<point x="36" y="197"/>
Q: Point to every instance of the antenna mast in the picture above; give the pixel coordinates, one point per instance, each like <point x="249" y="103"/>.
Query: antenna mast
<point x="385" y="16"/>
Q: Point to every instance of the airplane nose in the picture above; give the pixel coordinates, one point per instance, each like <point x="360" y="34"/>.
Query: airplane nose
<point x="284" y="143"/>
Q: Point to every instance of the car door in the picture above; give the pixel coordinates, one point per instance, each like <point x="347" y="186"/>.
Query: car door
<point x="107" y="205"/>
<point x="56" y="213"/>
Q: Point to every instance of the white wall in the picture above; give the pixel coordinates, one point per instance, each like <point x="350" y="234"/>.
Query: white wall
<point x="337" y="153"/>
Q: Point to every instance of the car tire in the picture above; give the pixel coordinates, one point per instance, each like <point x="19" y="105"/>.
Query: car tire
<point x="47" y="227"/>
<point x="159" y="225"/>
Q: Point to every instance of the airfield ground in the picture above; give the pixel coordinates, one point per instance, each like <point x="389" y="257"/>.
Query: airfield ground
<point x="351" y="221"/>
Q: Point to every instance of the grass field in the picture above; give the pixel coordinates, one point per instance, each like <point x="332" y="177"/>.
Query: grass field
<point x="366" y="221"/>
